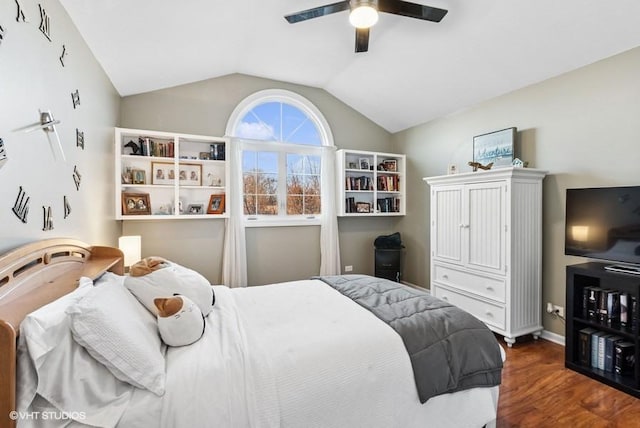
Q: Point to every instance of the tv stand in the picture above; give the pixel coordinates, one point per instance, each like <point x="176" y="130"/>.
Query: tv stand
<point x="624" y="269"/>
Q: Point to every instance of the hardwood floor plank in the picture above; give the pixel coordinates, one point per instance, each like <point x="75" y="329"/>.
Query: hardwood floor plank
<point x="538" y="391"/>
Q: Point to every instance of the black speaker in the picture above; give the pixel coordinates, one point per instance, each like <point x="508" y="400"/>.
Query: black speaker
<point x="387" y="263"/>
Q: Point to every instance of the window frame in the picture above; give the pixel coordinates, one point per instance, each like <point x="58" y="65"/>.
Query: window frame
<point x="282" y="148"/>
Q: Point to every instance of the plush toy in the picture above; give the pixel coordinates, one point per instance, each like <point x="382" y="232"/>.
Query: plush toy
<point x="156" y="277"/>
<point x="180" y="321"/>
<point x="147" y="265"/>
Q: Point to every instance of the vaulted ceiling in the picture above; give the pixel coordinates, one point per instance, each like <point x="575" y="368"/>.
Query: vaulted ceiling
<point x="414" y="71"/>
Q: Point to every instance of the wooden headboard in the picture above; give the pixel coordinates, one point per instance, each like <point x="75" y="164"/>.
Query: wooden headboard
<point x="32" y="276"/>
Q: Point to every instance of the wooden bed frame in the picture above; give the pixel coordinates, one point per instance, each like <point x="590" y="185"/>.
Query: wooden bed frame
<point x="32" y="276"/>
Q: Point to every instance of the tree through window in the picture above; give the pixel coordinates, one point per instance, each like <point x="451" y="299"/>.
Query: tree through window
<point x="283" y="136"/>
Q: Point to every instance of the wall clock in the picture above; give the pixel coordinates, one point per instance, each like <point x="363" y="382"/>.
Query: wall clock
<point x="48" y="202"/>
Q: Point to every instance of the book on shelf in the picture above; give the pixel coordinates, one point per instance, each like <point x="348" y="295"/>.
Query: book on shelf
<point x="624" y="305"/>
<point x="584" y="345"/>
<point x="595" y="349"/>
<point x="613" y="307"/>
<point x="350" y="205"/>
<point x="602" y="341"/>
<point x="602" y="306"/>
<point x="609" y="352"/>
<point x="592" y="303"/>
<point x="358" y="183"/>
<point x="624" y="358"/>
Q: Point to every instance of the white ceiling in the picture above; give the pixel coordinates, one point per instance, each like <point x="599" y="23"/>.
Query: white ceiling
<point x="414" y="71"/>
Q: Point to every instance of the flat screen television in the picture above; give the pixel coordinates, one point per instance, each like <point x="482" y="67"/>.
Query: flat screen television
<point x="604" y="223"/>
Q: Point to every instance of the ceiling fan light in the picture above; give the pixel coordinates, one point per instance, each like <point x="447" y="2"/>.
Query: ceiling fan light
<point x="363" y="16"/>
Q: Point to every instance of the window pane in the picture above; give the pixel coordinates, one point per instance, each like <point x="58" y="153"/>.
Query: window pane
<point x="295" y="185"/>
<point x="312" y="185"/>
<point x="253" y="128"/>
<point x="267" y="205"/>
<point x="267" y="162"/>
<point x="295" y="205"/>
<point x="312" y="205"/>
<point x="267" y="184"/>
<point x="250" y="205"/>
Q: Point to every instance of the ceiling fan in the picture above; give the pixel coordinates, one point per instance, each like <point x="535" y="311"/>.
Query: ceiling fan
<point x="364" y="14"/>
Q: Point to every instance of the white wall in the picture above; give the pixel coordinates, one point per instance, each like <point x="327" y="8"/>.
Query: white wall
<point x="32" y="78"/>
<point x="583" y="127"/>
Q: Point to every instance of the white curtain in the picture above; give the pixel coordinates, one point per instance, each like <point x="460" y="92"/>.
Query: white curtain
<point x="329" y="242"/>
<point x="234" y="259"/>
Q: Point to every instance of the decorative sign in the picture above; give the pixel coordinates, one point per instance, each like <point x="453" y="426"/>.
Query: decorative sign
<point x="63" y="55"/>
<point x="44" y="23"/>
<point x="3" y="154"/>
<point x="75" y="97"/>
<point x="20" y="14"/>
<point x="48" y="218"/>
<point x="76" y="177"/>
<point x="79" y="138"/>
<point x="21" y="207"/>
<point x="67" y="207"/>
<point x="1" y="34"/>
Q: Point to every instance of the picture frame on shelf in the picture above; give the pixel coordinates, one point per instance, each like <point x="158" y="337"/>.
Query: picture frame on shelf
<point x="194" y="209"/>
<point x="364" y="163"/>
<point x="138" y="176"/>
<point x="216" y="204"/>
<point x="352" y="165"/>
<point x="126" y="177"/>
<point x="363" y="207"/>
<point x="162" y="173"/>
<point x="136" y="203"/>
<point x="390" y="165"/>
<point x="204" y="156"/>
<point x="495" y="147"/>
<point x="190" y="174"/>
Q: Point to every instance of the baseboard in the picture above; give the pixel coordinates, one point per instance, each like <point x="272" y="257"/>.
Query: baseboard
<point x="553" y="337"/>
<point x="416" y="286"/>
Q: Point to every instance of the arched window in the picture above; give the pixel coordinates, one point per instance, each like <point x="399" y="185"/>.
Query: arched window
<point x="282" y="136"/>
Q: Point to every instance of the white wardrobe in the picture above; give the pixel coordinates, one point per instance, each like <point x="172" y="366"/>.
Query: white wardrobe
<point x="486" y="246"/>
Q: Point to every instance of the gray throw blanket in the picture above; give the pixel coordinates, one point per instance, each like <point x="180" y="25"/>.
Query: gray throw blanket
<point x="450" y="349"/>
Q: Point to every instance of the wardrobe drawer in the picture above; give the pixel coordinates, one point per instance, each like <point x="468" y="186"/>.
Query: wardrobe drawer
<point x="475" y="283"/>
<point x="492" y="315"/>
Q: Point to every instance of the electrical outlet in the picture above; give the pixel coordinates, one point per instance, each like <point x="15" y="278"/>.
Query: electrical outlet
<point x="348" y="268"/>
<point x="559" y="310"/>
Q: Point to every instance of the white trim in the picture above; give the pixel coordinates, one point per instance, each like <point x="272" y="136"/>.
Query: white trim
<point x="553" y="337"/>
<point x="288" y="97"/>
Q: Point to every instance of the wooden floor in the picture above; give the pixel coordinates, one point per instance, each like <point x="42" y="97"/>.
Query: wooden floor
<point x="537" y="391"/>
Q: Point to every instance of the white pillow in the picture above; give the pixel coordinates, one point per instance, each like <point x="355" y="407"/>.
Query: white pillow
<point x="169" y="281"/>
<point x="51" y="364"/>
<point x="182" y="327"/>
<point x="118" y="332"/>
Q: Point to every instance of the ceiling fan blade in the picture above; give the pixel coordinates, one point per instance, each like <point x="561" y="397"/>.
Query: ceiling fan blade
<point x="412" y="10"/>
<point x="362" y="39"/>
<point x="317" y="12"/>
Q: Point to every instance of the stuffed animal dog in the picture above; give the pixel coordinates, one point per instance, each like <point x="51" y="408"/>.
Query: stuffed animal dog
<point x="180" y="321"/>
<point x="147" y="265"/>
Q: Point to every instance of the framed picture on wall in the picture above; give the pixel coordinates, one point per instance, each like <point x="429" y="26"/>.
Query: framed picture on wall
<point x="495" y="147"/>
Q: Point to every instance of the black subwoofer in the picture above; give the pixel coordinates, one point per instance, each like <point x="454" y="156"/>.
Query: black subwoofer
<point x="388" y="263"/>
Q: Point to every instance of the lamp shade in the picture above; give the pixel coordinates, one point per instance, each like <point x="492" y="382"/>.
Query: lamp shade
<point x="131" y="247"/>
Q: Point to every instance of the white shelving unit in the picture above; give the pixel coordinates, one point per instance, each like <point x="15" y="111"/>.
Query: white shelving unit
<point x="178" y="173"/>
<point x="371" y="183"/>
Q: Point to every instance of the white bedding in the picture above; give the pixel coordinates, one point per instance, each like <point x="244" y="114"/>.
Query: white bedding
<point x="297" y="354"/>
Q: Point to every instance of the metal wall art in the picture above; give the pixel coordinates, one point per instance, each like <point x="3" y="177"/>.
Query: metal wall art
<point x="75" y="97"/>
<point x="63" y="55"/>
<point x="47" y="218"/>
<point x="79" y="138"/>
<point x="3" y="154"/>
<point x="1" y="34"/>
<point x="67" y="207"/>
<point x="45" y="28"/>
<point x="20" y="16"/>
<point x="21" y="207"/>
<point x="76" y="177"/>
